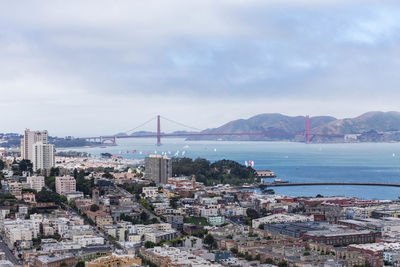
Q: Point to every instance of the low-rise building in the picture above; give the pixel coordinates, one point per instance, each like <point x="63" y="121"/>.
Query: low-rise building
<point x="65" y="184"/>
<point x="35" y="182"/>
<point x="56" y="261"/>
<point x="281" y="218"/>
<point x="158" y="236"/>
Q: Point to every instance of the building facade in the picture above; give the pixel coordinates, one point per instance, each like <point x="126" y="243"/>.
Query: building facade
<point x="43" y="156"/>
<point x="65" y="184"/>
<point x="36" y="182"/>
<point x="30" y="138"/>
<point x="158" y="169"/>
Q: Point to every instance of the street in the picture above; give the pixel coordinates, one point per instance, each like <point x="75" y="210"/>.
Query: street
<point x="8" y="254"/>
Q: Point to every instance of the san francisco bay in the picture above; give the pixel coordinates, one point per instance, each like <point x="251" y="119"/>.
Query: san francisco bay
<point x="294" y="162"/>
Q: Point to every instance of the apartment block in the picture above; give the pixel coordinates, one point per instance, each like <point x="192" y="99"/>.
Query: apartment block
<point x="65" y="184"/>
<point x="35" y="182"/>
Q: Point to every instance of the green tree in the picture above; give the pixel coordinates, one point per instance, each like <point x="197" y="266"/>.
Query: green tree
<point x="25" y="165"/>
<point x="173" y="201"/>
<point x="210" y="241"/>
<point x="48" y="196"/>
<point x="222" y="171"/>
<point x="55" y="171"/>
<point x="2" y="165"/>
<point x="144" y="216"/>
<point x="252" y="213"/>
<point x="269" y="261"/>
<point x="80" y="264"/>
<point x="283" y="264"/>
<point x="51" y="182"/>
<point x="82" y="184"/>
<point x="94" y="207"/>
<point x="149" y="244"/>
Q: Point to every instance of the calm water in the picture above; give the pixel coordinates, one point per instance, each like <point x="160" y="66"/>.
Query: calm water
<point x="295" y="162"/>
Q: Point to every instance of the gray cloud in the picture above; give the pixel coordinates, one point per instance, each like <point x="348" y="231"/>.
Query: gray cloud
<point x="96" y="61"/>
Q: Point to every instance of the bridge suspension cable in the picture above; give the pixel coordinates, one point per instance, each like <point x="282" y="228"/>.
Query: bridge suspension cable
<point x="141" y="125"/>
<point x="181" y="124"/>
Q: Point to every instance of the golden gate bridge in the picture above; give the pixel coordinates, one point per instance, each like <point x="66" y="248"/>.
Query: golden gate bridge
<point x="112" y="139"/>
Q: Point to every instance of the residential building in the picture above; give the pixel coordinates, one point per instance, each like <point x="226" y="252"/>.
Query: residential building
<point x="103" y="220"/>
<point x="216" y="220"/>
<point x="56" y="261"/>
<point x="65" y="184"/>
<point x="15" y="188"/>
<point x="43" y="156"/>
<point x="281" y="218"/>
<point x="341" y="237"/>
<point x="30" y="138"/>
<point x="150" y="191"/>
<point x="158" y="169"/>
<point x="158" y="236"/>
<point x="35" y="182"/>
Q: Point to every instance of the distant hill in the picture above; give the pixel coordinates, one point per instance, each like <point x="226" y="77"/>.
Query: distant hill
<point x="370" y="127"/>
<point x="370" y="121"/>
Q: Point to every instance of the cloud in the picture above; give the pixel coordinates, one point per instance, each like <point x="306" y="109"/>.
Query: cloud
<point x="96" y="61"/>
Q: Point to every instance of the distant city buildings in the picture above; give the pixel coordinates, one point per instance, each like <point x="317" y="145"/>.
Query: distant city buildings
<point x="158" y="169"/>
<point x="65" y="184"/>
<point x="35" y="147"/>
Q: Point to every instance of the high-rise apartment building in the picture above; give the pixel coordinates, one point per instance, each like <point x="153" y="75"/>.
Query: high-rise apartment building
<point x="158" y="169"/>
<point x="65" y="184"/>
<point x="35" y="147"/>
<point x="43" y="156"/>
<point x="30" y="138"/>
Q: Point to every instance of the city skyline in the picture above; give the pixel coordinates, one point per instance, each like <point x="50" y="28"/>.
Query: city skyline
<point x="104" y="69"/>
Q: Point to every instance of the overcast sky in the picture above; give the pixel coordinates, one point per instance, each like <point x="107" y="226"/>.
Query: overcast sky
<point x="101" y="67"/>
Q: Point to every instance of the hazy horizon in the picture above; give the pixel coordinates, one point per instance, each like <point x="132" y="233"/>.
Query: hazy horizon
<point x="100" y="67"/>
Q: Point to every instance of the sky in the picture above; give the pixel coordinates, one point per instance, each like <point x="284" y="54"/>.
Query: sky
<point x="87" y="68"/>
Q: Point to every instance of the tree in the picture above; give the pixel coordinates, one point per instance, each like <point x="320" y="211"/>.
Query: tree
<point x="283" y="264"/>
<point x="252" y="213"/>
<point x="144" y="216"/>
<point x="234" y="250"/>
<point x="94" y="207"/>
<point x="54" y="171"/>
<point x="210" y="241"/>
<point x="261" y="226"/>
<point x="173" y="201"/>
<point x="48" y="196"/>
<point x="149" y="244"/>
<point x="25" y="165"/>
<point x="83" y="184"/>
<point x="80" y="264"/>
<point x="222" y="171"/>
<point x="1" y="165"/>
<point x="269" y="261"/>
<point x="107" y="175"/>
<point x="319" y="195"/>
<point x="51" y="182"/>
